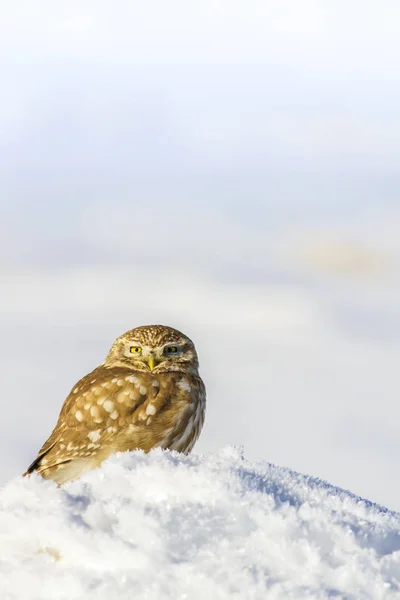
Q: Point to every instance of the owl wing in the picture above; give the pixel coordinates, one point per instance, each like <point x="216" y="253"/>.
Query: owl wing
<point x="47" y="446"/>
<point x="54" y="439"/>
<point x="85" y="417"/>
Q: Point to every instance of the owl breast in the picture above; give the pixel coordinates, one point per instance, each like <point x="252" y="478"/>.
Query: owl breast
<point x="171" y="418"/>
<point x="189" y="425"/>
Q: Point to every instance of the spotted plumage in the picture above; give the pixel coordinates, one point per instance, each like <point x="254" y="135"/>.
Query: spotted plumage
<point x="146" y="394"/>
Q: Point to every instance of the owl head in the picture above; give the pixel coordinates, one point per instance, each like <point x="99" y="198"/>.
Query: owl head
<point x="154" y="348"/>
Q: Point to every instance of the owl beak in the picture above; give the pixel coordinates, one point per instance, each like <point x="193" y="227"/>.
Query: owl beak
<point x="151" y="361"/>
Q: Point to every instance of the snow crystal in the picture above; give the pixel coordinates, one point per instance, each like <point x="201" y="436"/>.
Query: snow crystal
<point x="165" y="526"/>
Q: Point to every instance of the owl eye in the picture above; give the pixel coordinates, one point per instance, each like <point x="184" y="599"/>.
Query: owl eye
<point x="135" y="349"/>
<point x="170" y="349"/>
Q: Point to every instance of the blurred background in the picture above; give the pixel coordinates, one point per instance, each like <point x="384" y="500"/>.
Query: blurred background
<point x="228" y="168"/>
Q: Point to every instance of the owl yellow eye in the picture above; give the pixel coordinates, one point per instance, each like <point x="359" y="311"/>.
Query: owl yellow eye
<point x="135" y="349"/>
<point x="170" y="349"/>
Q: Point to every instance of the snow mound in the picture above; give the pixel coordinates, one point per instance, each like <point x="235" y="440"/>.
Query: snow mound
<point x="164" y="526"/>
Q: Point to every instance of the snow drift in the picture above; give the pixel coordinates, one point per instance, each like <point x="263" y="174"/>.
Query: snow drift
<point x="164" y="526"/>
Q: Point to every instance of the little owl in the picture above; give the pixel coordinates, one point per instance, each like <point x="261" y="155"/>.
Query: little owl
<point x="146" y="394"/>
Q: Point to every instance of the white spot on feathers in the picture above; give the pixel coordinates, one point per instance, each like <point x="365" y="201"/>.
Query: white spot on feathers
<point x="184" y="385"/>
<point x="108" y="406"/>
<point x="95" y="435"/>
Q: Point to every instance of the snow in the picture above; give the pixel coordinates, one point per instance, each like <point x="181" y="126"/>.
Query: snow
<point x="166" y="526"/>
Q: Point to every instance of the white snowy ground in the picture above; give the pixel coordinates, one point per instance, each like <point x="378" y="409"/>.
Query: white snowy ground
<point x="163" y="526"/>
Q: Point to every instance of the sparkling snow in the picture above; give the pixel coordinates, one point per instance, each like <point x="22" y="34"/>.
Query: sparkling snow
<point x="164" y="526"/>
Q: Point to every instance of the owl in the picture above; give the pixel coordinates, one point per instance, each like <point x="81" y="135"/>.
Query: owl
<point x="146" y="394"/>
